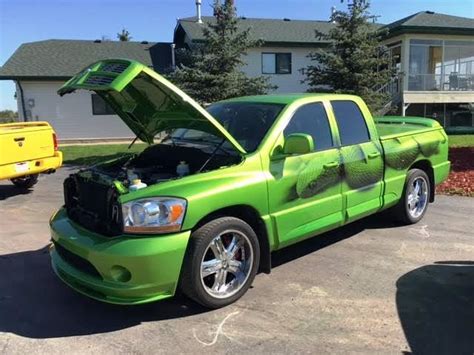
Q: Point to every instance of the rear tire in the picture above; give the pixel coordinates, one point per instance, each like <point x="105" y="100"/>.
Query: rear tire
<point x="220" y="263"/>
<point x="414" y="202"/>
<point x="25" y="182"/>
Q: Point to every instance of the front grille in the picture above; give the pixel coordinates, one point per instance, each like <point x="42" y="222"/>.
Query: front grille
<point x="76" y="261"/>
<point x="98" y="80"/>
<point x="93" y="205"/>
<point x="116" y="67"/>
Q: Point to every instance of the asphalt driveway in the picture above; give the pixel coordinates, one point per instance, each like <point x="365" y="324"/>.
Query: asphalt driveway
<point x="369" y="287"/>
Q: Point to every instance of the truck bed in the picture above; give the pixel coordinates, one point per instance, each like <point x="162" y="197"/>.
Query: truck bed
<point x="390" y="127"/>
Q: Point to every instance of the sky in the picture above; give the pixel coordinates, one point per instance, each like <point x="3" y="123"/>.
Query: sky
<point x="154" y="20"/>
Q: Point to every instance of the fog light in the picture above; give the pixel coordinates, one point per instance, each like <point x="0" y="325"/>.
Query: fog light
<point x="119" y="273"/>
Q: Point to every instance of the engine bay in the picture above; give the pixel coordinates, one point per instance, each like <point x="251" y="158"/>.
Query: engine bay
<point x="159" y="163"/>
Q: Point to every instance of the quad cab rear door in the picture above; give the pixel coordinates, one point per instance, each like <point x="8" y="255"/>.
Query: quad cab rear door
<point x="362" y="159"/>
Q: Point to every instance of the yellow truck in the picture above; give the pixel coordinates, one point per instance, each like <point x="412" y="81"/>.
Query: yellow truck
<point x="28" y="149"/>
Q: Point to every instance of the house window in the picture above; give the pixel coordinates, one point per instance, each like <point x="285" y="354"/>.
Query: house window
<point x="426" y="59"/>
<point x="100" y="107"/>
<point x="276" y="63"/>
<point x="441" y="65"/>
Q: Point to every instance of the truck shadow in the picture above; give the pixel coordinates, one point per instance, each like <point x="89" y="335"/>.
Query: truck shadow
<point x="7" y="191"/>
<point x="35" y="304"/>
<point x="436" y="308"/>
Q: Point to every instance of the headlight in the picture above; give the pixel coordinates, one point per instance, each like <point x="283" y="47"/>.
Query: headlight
<point x="153" y="215"/>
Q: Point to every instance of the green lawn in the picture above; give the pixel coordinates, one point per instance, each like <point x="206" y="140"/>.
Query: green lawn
<point x="89" y="154"/>
<point x="462" y="140"/>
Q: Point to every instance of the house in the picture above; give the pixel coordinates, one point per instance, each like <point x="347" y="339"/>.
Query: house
<point x="433" y="54"/>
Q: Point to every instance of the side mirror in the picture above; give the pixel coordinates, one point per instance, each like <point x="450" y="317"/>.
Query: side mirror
<point x="298" y="143"/>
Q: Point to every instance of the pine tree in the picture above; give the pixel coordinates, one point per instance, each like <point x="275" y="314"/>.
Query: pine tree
<point x="211" y="71"/>
<point x="354" y="62"/>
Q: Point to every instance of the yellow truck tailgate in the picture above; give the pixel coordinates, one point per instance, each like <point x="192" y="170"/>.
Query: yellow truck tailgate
<point x="25" y="141"/>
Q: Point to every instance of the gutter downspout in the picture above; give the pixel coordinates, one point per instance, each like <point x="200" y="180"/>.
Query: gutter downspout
<point x="22" y="100"/>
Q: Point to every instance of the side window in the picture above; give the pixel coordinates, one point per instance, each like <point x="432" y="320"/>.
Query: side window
<point x="313" y="120"/>
<point x="351" y="123"/>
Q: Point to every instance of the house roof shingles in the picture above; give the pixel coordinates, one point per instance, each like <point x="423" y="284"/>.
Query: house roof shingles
<point x="431" y="22"/>
<point x="64" y="58"/>
<point x="269" y="30"/>
<point x="303" y="32"/>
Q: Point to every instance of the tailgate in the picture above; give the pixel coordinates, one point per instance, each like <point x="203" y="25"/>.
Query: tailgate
<point x="21" y="142"/>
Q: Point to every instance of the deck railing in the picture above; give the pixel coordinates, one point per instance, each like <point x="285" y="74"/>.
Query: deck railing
<point x="440" y="82"/>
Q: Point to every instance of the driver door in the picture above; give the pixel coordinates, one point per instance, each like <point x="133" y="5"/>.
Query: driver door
<point x="305" y="190"/>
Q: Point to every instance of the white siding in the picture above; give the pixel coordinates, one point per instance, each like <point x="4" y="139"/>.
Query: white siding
<point x="70" y="115"/>
<point x="286" y="82"/>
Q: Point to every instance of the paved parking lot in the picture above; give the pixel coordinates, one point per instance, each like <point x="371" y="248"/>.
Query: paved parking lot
<point x="370" y="287"/>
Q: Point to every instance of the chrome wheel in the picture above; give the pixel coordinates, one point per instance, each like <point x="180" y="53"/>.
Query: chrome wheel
<point x="226" y="264"/>
<point x="417" y="197"/>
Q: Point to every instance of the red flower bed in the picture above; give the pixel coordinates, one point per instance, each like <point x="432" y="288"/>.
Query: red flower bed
<point x="461" y="179"/>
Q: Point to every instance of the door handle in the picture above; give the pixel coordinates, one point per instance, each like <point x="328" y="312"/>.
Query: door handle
<point x="374" y="155"/>
<point x="332" y="164"/>
<point x="19" y="139"/>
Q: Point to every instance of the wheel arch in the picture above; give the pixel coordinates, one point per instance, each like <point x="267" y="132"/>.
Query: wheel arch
<point x="249" y="215"/>
<point x="426" y="166"/>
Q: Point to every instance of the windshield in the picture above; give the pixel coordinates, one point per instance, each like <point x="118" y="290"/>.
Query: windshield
<point x="247" y="122"/>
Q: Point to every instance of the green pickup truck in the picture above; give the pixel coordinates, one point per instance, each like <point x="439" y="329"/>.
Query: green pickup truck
<point x="202" y="208"/>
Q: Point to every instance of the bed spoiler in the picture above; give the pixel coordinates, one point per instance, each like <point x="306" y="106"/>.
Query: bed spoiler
<point x="418" y="121"/>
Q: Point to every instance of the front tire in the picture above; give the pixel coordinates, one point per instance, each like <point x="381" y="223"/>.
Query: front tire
<point x="221" y="262"/>
<point x="414" y="202"/>
<point x="25" y="182"/>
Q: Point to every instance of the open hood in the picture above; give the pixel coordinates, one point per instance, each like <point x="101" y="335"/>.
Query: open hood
<point x="146" y="102"/>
